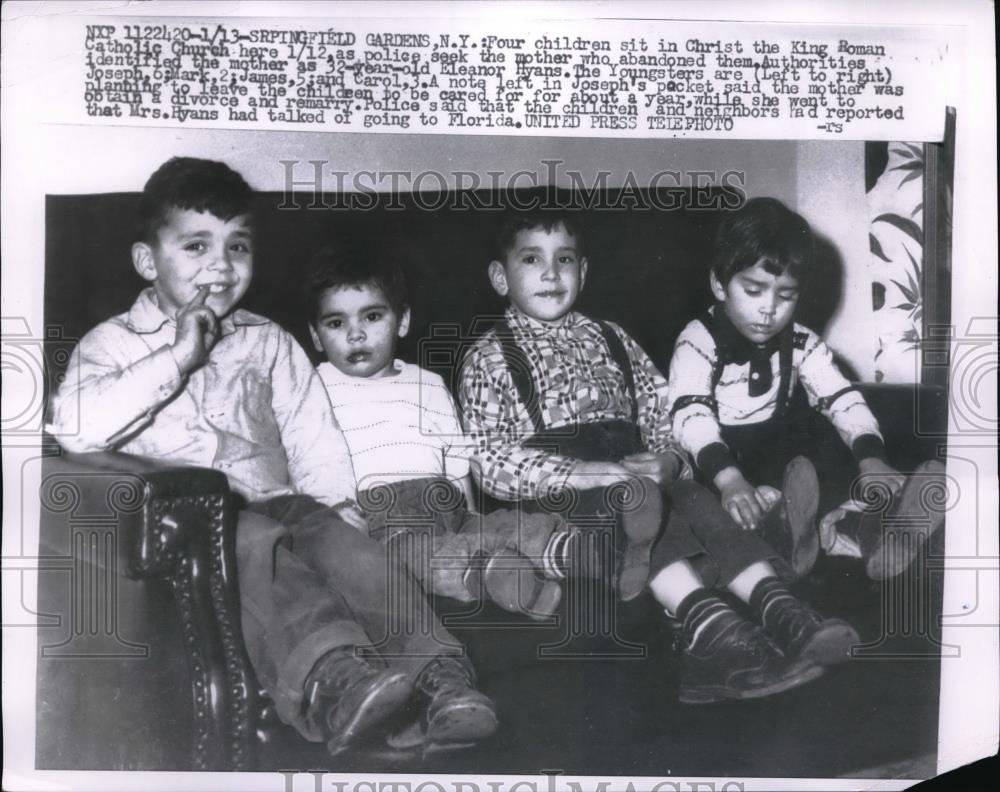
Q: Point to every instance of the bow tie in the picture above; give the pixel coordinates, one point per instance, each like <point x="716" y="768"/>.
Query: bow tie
<point x="736" y="348"/>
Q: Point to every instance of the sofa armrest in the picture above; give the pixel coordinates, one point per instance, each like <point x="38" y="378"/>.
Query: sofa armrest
<point x="201" y="493"/>
<point x="163" y="477"/>
<point x="152" y="606"/>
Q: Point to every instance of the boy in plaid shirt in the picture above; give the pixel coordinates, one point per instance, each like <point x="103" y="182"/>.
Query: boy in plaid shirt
<point x="557" y="401"/>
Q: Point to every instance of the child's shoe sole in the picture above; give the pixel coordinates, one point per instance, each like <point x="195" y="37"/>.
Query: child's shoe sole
<point x="914" y="520"/>
<point x="464" y="722"/>
<point x="790" y="526"/>
<point x="509" y="580"/>
<point x="350" y="720"/>
<point x="800" y="674"/>
<point x="455" y="728"/>
<point x="641" y="523"/>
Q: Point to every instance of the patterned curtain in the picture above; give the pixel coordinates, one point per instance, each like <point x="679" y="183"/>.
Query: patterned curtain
<point x="895" y="182"/>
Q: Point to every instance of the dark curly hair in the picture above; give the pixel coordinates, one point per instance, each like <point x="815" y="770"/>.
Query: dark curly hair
<point x="346" y="264"/>
<point x="547" y="219"/>
<point x="764" y="229"/>
<point x="189" y="183"/>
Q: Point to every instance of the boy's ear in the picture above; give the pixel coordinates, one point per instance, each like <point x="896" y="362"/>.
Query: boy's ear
<point x="583" y="272"/>
<point x="498" y="278"/>
<point x="404" y="322"/>
<point x="315" y="337"/>
<point x="142" y="260"/>
<point x="718" y="290"/>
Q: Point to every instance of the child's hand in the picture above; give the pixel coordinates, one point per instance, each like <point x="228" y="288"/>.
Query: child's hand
<point x="661" y="468"/>
<point x="875" y="468"/>
<point x="770" y="495"/>
<point x="197" y="332"/>
<point x="743" y="502"/>
<point x="594" y="475"/>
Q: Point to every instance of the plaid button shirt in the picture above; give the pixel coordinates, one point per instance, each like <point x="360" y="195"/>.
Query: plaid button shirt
<point x="577" y="383"/>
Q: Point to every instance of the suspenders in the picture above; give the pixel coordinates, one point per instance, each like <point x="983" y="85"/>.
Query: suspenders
<point x="785" y="367"/>
<point x="520" y="369"/>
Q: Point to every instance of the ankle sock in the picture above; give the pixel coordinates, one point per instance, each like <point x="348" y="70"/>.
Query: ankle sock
<point x="577" y="553"/>
<point x="700" y="615"/>
<point x="766" y="599"/>
<point x="555" y="556"/>
<point x="477" y="561"/>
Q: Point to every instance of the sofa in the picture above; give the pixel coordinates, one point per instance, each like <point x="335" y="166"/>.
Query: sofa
<point x="141" y="664"/>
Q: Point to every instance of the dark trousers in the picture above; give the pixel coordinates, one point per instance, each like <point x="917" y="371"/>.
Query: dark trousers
<point x="701" y="532"/>
<point x="425" y="523"/>
<point x="695" y="528"/>
<point x="310" y="583"/>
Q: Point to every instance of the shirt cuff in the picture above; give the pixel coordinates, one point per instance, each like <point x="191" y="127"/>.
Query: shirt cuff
<point x="867" y="446"/>
<point x="713" y="458"/>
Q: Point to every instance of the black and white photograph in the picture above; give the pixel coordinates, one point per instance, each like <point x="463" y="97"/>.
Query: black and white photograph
<point x="431" y="394"/>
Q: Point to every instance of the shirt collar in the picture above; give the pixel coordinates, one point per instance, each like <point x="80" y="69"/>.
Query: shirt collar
<point x="331" y="375"/>
<point x="736" y="347"/>
<point x="532" y="328"/>
<point x="145" y="316"/>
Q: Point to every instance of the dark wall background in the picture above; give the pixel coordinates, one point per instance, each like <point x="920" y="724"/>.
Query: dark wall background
<point x="648" y="268"/>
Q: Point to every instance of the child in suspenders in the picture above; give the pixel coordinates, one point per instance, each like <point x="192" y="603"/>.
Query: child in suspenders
<point x="732" y="376"/>
<point x="559" y="403"/>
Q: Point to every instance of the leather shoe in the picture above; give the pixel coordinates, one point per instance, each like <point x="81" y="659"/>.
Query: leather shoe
<point x="641" y="516"/>
<point x="456" y="712"/>
<point x="802" y="633"/>
<point x="348" y="699"/>
<point x="891" y="547"/>
<point x="509" y="579"/>
<point x="790" y="526"/>
<point x="740" y="662"/>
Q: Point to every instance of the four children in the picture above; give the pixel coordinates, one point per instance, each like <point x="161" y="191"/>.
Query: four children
<point x="552" y="402"/>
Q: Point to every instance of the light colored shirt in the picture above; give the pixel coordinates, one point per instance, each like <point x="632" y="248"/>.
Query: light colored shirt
<point x="255" y="410"/>
<point x="699" y="409"/>
<point x="577" y="382"/>
<point x="399" y="427"/>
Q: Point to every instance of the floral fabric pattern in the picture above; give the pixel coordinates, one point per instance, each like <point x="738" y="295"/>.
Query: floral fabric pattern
<point x="895" y="204"/>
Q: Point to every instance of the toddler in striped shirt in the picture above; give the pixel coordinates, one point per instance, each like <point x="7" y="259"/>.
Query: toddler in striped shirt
<point x="407" y="445"/>
<point x="732" y="378"/>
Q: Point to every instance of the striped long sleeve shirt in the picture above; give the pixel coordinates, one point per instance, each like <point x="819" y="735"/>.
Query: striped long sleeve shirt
<point x="711" y="387"/>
